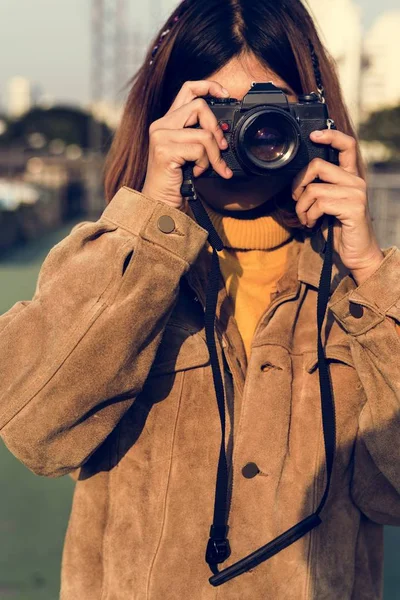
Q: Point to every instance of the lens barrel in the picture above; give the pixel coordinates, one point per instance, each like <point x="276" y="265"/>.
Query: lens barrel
<point x="266" y="138"/>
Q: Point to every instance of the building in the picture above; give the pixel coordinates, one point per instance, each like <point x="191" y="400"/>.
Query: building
<point x="106" y="111"/>
<point x="339" y="26"/>
<point x="381" y="79"/>
<point x="19" y="96"/>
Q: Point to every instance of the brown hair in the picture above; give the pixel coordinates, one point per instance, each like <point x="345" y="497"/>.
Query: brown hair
<point x="208" y="35"/>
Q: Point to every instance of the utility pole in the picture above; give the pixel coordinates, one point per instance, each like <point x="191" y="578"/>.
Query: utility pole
<point x="109" y="60"/>
<point x="156" y="14"/>
<point x="97" y="68"/>
<point x="108" y="75"/>
<point x="121" y="47"/>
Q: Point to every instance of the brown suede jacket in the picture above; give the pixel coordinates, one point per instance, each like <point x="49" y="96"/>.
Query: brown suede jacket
<point x="105" y="375"/>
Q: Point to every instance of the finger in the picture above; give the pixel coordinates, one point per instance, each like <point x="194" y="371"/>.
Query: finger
<point x="195" y="153"/>
<point x="345" y="203"/>
<point x="208" y="142"/>
<point x="196" y="111"/>
<point x="346" y="144"/>
<point x="178" y="153"/>
<point x="193" y="89"/>
<point x="325" y="171"/>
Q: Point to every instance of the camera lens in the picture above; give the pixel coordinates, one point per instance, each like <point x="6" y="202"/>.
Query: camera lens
<point x="267" y="143"/>
<point x="267" y="138"/>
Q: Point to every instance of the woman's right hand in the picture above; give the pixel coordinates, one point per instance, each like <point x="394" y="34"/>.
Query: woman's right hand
<point x="173" y="142"/>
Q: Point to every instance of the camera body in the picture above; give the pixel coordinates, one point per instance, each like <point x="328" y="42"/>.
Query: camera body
<point x="267" y="134"/>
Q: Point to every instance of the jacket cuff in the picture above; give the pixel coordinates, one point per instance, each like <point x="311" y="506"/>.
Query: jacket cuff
<point x="359" y="308"/>
<point x="156" y="222"/>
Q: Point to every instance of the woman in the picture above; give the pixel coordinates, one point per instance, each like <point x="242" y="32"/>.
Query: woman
<point x="106" y="372"/>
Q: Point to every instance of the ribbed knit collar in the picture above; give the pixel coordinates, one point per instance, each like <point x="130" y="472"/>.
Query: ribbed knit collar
<point x="256" y="233"/>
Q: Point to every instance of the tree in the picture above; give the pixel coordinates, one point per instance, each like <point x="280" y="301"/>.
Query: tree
<point x="383" y="126"/>
<point x="71" y="125"/>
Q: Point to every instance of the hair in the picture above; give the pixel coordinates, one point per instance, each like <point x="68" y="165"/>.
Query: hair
<point x="203" y="39"/>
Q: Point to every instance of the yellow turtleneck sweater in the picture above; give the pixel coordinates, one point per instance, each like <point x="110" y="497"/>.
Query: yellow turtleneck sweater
<point x="252" y="261"/>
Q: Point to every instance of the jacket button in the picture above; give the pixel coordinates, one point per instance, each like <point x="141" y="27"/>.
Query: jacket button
<point x="356" y="310"/>
<point x="166" y="224"/>
<point x="250" y="470"/>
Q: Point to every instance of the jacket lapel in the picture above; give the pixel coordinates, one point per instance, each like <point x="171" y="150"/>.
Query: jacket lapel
<point x="305" y="261"/>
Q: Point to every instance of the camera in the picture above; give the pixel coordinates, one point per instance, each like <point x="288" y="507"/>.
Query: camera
<point x="267" y="134"/>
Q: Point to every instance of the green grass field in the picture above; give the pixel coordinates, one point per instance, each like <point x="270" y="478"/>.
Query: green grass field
<point x="34" y="510"/>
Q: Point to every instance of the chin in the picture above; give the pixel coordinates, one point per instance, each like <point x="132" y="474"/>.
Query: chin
<point x="236" y="193"/>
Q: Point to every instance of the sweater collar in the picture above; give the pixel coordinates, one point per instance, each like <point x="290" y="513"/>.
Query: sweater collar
<point x="262" y="232"/>
<point x="305" y="260"/>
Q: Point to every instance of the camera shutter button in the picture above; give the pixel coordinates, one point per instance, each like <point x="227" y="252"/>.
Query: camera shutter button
<point x="225" y="126"/>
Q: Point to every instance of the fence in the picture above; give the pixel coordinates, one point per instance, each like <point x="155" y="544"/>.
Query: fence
<point x="384" y="203"/>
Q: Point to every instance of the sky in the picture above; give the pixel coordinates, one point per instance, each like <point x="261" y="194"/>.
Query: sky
<point x="48" y="41"/>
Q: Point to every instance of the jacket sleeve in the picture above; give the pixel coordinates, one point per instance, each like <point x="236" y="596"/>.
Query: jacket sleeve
<point x="74" y="358"/>
<point x="370" y="313"/>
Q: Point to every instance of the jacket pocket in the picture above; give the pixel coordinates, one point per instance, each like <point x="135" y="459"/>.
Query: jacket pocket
<point x="349" y="398"/>
<point x="333" y="353"/>
<point x="181" y="348"/>
<point x="165" y="416"/>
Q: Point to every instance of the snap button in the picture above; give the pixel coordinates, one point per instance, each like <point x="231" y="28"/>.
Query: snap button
<point x="356" y="310"/>
<point x="250" y="470"/>
<point x="166" y="224"/>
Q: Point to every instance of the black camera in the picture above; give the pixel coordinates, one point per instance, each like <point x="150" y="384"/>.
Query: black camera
<point x="267" y="134"/>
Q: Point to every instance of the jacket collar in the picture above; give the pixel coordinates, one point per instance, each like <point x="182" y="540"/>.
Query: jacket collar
<point x="304" y="264"/>
<point x="311" y="259"/>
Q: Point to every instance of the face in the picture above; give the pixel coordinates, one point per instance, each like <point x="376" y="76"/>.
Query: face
<point x="237" y="77"/>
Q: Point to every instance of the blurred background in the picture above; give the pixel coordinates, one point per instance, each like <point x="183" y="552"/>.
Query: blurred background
<point x="63" y="76"/>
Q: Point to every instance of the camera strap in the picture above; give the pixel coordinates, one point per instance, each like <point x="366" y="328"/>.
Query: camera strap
<point x="218" y="548"/>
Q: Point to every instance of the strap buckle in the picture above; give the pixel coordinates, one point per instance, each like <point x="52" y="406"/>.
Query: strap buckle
<point x="217" y="551"/>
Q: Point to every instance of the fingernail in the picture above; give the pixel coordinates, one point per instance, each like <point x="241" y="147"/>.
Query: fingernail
<point x="224" y="143"/>
<point x="228" y="171"/>
<point x="317" y="133"/>
<point x="225" y="92"/>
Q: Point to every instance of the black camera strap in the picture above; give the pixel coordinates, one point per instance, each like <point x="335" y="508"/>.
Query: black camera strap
<point x="218" y="548"/>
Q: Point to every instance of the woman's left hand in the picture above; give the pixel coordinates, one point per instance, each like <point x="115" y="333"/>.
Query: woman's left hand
<point x="344" y="195"/>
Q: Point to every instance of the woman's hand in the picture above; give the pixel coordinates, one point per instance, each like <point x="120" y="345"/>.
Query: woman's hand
<point x="344" y="195"/>
<point x="171" y="145"/>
